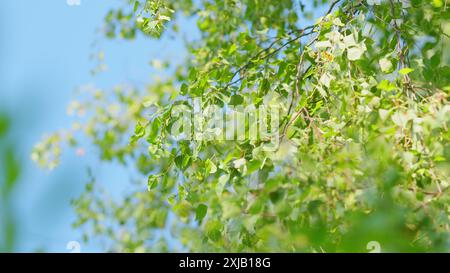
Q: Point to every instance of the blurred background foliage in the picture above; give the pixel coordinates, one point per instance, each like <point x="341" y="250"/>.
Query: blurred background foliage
<point x="10" y="171"/>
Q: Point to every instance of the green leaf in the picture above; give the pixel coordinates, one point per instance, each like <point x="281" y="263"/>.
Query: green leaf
<point x="182" y="161"/>
<point x="236" y="100"/>
<point x="253" y="166"/>
<point x="4" y="124"/>
<point x="256" y="207"/>
<point x="12" y="170"/>
<point x="386" y="85"/>
<point x="210" y="166"/>
<point x="152" y="181"/>
<point x="154" y="131"/>
<point x="200" y="212"/>
<point x="139" y="130"/>
<point x="213" y="230"/>
<point x="405" y="71"/>
<point x="184" y="89"/>
<point x="435" y="60"/>
<point x="136" y="6"/>
<point x="183" y="209"/>
<point x="232" y="49"/>
<point x="223" y="179"/>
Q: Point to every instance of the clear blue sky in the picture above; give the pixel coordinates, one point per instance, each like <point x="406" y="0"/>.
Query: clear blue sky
<point x="44" y="52"/>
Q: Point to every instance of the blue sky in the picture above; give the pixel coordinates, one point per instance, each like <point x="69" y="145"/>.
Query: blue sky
<point x="44" y="51"/>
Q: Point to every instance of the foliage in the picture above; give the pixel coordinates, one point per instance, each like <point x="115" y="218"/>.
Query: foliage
<point x="363" y="152"/>
<point x="9" y="173"/>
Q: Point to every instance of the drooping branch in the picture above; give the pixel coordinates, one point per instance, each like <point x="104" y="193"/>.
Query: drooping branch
<point x="302" y="33"/>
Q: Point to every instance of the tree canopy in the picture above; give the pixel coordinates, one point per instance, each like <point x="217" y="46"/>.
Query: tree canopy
<point x="357" y="143"/>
